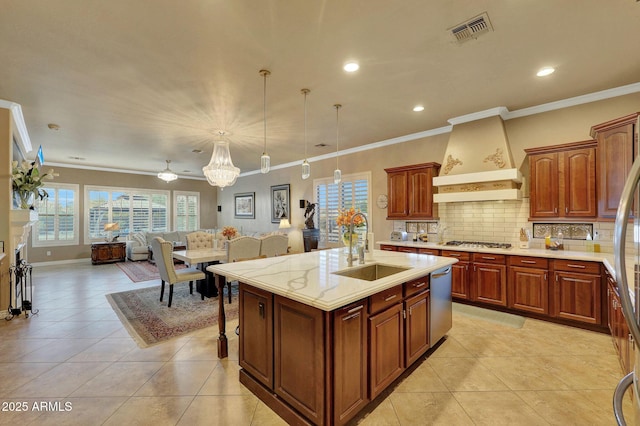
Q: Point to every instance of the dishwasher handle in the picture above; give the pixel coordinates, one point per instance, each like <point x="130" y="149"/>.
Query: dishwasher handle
<point x="441" y="274"/>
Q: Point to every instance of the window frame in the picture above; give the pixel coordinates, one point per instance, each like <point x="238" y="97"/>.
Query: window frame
<point x="176" y="194"/>
<point x="131" y="191"/>
<point x="325" y="233"/>
<point x="36" y="242"/>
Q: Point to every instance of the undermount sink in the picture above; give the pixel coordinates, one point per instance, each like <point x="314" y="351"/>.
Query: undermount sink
<point x="372" y="272"/>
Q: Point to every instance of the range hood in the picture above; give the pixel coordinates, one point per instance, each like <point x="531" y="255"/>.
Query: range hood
<point x="478" y="165"/>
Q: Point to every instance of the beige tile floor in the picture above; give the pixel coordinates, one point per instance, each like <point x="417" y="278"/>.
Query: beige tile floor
<point x="76" y="352"/>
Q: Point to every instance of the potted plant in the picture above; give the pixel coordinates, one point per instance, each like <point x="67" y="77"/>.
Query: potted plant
<point x="27" y="183"/>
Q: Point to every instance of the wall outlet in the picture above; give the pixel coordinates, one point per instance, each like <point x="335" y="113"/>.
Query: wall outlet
<point x="48" y="252"/>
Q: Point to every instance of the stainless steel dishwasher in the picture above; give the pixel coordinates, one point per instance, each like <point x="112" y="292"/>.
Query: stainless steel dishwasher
<point x="440" y="305"/>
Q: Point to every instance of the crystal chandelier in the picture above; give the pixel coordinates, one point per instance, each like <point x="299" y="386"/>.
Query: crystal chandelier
<point x="265" y="160"/>
<point x="167" y="175"/>
<point x="337" y="173"/>
<point x="306" y="167"/>
<point x="220" y="171"/>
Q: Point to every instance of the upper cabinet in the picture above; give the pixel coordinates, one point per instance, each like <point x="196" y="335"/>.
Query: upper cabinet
<point x="563" y="181"/>
<point x="616" y="151"/>
<point x="410" y="191"/>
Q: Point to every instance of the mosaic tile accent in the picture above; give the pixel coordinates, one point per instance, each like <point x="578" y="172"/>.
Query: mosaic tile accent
<point x="570" y="231"/>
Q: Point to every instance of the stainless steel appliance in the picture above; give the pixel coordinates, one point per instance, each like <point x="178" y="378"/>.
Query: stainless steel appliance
<point x="629" y="296"/>
<point x="440" y="309"/>
<point x="398" y="236"/>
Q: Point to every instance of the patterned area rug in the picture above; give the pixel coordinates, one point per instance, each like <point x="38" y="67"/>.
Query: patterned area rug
<point x="142" y="270"/>
<point x="150" y="321"/>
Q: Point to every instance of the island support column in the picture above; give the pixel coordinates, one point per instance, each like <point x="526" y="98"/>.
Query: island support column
<point x="223" y="350"/>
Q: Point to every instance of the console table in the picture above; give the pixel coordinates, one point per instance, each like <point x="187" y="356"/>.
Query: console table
<point x="107" y="252"/>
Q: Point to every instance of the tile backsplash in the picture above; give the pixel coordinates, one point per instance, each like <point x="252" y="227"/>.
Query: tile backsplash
<point x="500" y="221"/>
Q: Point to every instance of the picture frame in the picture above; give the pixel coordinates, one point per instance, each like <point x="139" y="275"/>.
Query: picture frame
<point x="244" y="205"/>
<point x="280" y="203"/>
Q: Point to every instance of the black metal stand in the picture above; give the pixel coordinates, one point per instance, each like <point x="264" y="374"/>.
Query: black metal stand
<point x="18" y="277"/>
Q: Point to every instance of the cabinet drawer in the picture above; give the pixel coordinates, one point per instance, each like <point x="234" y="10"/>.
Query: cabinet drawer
<point x="407" y="249"/>
<point x="489" y="258"/>
<point x="460" y="255"/>
<point x="529" y="262"/>
<point x="385" y="298"/>
<point x="577" y="266"/>
<point x="433" y="252"/>
<point x="387" y="247"/>
<point x="416" y="286"/>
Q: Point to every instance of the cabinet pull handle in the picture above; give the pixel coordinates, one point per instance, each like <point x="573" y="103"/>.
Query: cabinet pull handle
<point x="422" y="284"/>
<point x="573" y="280"/>
<point x="442" y="274"/>
<point x="528" y="261"/>
<point x="466" y="267"/>
<point x="555" y="210"/>
<point x="545" y="276"/>
<point x="261" y="309"/>
<point x="566" y="209"/>
<point x="352" y="316"/>
<point x="573" y="265"/>
<point x="454" y="255"/>
<point x="488" y="258"/>
<point x="404" y="314"/>
<point x="393" y="296"/>
<point x="357" y="308"/>
<point x="630" y="339"/>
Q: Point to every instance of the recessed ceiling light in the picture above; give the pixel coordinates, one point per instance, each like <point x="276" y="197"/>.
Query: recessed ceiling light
<point x="351" y="67"/>
<point x="418" y="108"/>
<point x="545" y="71"/>
<point x="53" y="126"/>
<point x="196" y="151"/>
<point x="186" y="171"/>
<point x="320" y="145"/>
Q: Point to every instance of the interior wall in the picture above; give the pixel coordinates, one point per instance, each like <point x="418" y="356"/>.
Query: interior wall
<point x="208" y="203"/>
<point x="6" y="138"/>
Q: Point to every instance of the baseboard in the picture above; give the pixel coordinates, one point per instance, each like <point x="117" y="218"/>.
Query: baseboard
<point x="62" y="262"/>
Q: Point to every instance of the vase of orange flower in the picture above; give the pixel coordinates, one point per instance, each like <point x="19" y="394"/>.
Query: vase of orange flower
<point x="344" y="220"/>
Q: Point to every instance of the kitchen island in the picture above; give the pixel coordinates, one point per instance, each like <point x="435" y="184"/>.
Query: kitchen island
<point x="317" y="346"/>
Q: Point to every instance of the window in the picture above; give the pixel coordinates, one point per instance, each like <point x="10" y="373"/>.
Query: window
<point x="135" y="210"/>
<point x="57" y="217"/>
<point x="186" y="211"/>
<point x="353" y="191"/>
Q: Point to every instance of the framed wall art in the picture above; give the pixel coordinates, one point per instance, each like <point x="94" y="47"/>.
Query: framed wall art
<point x="280" y="206"/>
<point x="244" y="205"/>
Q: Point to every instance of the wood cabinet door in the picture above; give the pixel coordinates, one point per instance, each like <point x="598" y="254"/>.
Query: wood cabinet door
<point x="299" y="361"/>
<point x="615" y="158"/>
<point x="416" y="326"/>
<point x="386" y="342"/>
<point x="350" y="346"/>
<point x="577" y="297"/>
<point x="256" y="330"/>
<point x="460" y="280"/>
<point x="489" y="283"/>
<point x="578" y="183"/>
<point x="420" y="193"/>
<point x="528" y="289"/>
<point x="397" y="190"/>
<point x="544" y="185"/>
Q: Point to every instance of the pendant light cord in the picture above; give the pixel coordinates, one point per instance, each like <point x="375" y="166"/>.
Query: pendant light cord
<point x="264" y="110"/>
<point x="337" y="133"/>
<point x="305" y="91"/>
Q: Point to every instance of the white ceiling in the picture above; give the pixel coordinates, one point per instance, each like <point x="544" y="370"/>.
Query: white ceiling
<point x="132" y="83"/>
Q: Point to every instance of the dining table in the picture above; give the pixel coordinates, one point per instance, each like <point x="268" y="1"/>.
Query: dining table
<point x="202" y="257"/>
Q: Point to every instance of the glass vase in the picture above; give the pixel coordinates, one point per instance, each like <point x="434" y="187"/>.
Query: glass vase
<point x="22" y="200"/>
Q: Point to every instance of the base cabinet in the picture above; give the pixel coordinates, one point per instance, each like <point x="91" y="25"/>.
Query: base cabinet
<point x="577" y="295"/>
<point x="416" y="326"/>
<point x="489" y="279"/>
<point x="528" y="284"/>
<point x="255" y="350"/>
<point x="460" y="285"/>
<point x="387" y="351"/>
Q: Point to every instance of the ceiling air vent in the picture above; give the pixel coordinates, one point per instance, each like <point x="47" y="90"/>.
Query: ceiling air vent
<point x="472" y="28"/>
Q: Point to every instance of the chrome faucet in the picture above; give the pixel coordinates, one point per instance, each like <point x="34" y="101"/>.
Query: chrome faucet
<point x="366" y="240"/>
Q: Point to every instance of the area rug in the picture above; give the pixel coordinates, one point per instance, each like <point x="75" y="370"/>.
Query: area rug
<point x="150" y="321"/>
<point x="503" y="318"/>
<point x="143" y="270"/>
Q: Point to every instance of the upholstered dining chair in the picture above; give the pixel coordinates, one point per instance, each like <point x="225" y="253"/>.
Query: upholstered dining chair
<point x="199" y="240"/>
<point x="168" y="273"/>
<point x="242" y="248"/>
<point x="274" y="245"/>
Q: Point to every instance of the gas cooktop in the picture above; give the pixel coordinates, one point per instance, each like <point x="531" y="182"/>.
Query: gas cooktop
<point x="478" y="244"/>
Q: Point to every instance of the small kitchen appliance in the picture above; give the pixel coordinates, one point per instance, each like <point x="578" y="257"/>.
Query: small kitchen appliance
<point x="398" y="236"/>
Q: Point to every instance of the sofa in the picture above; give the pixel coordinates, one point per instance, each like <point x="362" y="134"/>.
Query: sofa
<point x="139" y="244"/>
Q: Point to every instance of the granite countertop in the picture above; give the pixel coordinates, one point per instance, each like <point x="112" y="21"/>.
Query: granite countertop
<point x="308" y="277"/>
<point x="605" y="258"/>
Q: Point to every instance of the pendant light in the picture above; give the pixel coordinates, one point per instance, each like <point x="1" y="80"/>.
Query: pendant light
<point x="337" y="174"/>
<point x="220" y="171"/>
<point x="265" y="160"/>
<point x="306" y="167"/>
<point x="167" y="175"/>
